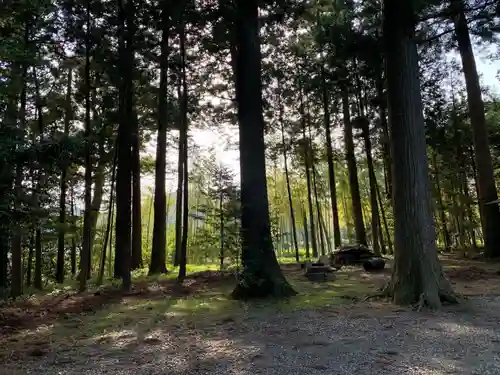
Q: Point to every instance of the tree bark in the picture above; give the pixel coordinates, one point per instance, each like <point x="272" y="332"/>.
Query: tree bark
<point x="136" y="261"/>
<point x="73" y="239"/>
<point x="4" y="260"/>
<point x="375" y="218"/>
<point x="442" y="210"/>
<point x="87" y="228"/>
<point x="318" y="207"/>
<point x="29" y="263"/>
<point x="178" y="205"/>
<point x="109" y="224"/>
<point x="384" y="220"/>
<point x="287" y="177"/>
<point x="184" y="139"/>
<point x="417" y="275"/>
<point x="331" y="170"/>
<point x="16" y="243"/>
<point x="221" y="229"/>
<point x="261" y="275"/>
<point x="487" y="188"/>
<point x="357" y="211"/>
<point x="38" y="260"/>
<point x="159" y="246"/>
<point x="307" y="157"/>
<point x="39" y="186"/>
<point x="386" y="142"/>
<point x="125" y="130"/>
<point x="306" y="231"/>
<point x="64" y="186"/>
<point x="95" y="206"/>
<point x="476" y="184"/>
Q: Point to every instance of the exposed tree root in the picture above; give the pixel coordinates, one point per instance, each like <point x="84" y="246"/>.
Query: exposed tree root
<point x="432" y="298"/>
<point x="255" y="287"/>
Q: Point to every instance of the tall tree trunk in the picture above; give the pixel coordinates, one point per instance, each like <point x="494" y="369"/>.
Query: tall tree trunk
<point x="64" y="185"/>
<point x="307" y="161"/>
<point x="184" y="140"/>
<point x="40" y="183"/>
<point x="136" y="261"/>
<point x="318" y="207"/>
<point x="462" y="191"/>
<point x="16" y="243"/>
<point x="306" y="232"/>
<point x="331" y="169"/>
<point x="31" y="253"/>
<point x="38" y="260"/>
<point x="464" y="185"/>
<point x="476" y="186"/>
<point x="442" y="210"/>
<point x="110" y="252"/>
<point x="221" y="223"/>
<point x="417" y="275"/>
<point x="73" y="228"/>
<point x="386" y="142"/>
<point x="4" y="260"/>
<point x="487" y="188"/>
<point x="347" y="215"/>
<point x="357" y="211"/>
<point x="87" y="228"/>
<point x="125" y="130"/>
<point x="159" y="246"/>
<point x="150" y="211"/>
<point x="324" y="231"/>
<point x="261" y="276"/>
<point x="375" y="218"/>
<point x="109" y="224"/>
<point x="8" y="169"/>
<point x="287" y="177"/>
<point x="95" y="206"/>
<point x="467" y="199"/>
<point x="178" y="200"/>
<point x="384" y="220"/>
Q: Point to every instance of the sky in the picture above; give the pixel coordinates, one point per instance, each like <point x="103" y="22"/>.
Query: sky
<point x="207" y="138"/>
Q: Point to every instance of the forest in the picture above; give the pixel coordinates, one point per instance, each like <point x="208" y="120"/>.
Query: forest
<point x="151" y="139"/>
<point x="95" y="95"/>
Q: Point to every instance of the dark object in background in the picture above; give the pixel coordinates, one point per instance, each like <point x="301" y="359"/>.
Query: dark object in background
<point x="374" y="264"/>
<point x="318" y="271"/>
<point x="352" y="254"/>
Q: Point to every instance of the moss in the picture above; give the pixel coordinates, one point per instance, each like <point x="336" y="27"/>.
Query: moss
<point x="138" y="315"/>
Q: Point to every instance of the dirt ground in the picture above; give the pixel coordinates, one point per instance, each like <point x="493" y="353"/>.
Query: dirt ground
<point x="33" y="312"/>
<point x="194" y="329"/>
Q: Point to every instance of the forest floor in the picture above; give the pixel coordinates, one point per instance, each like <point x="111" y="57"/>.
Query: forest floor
<point x="161" y="328"/>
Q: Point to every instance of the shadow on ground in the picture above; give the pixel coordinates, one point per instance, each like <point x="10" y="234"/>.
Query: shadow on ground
<point x="162" y="328"/>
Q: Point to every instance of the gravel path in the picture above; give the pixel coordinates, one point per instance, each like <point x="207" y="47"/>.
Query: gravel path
<point x="358" y="339"/>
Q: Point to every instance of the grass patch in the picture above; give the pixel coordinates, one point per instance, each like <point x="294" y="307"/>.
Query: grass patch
<point x="143" y="316"/>
<point x="159" y="304"/>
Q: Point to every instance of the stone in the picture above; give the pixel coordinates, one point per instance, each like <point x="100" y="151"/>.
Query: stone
<point x="319" y="272"/>
<point x="320" y="276"/>
<point x="374" y="264"/>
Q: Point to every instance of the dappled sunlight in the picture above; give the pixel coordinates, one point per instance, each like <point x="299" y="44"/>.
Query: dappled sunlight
<point x="198" y="326"/>
<point x="117" y="339"/>
<point x="463" y="330"/>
